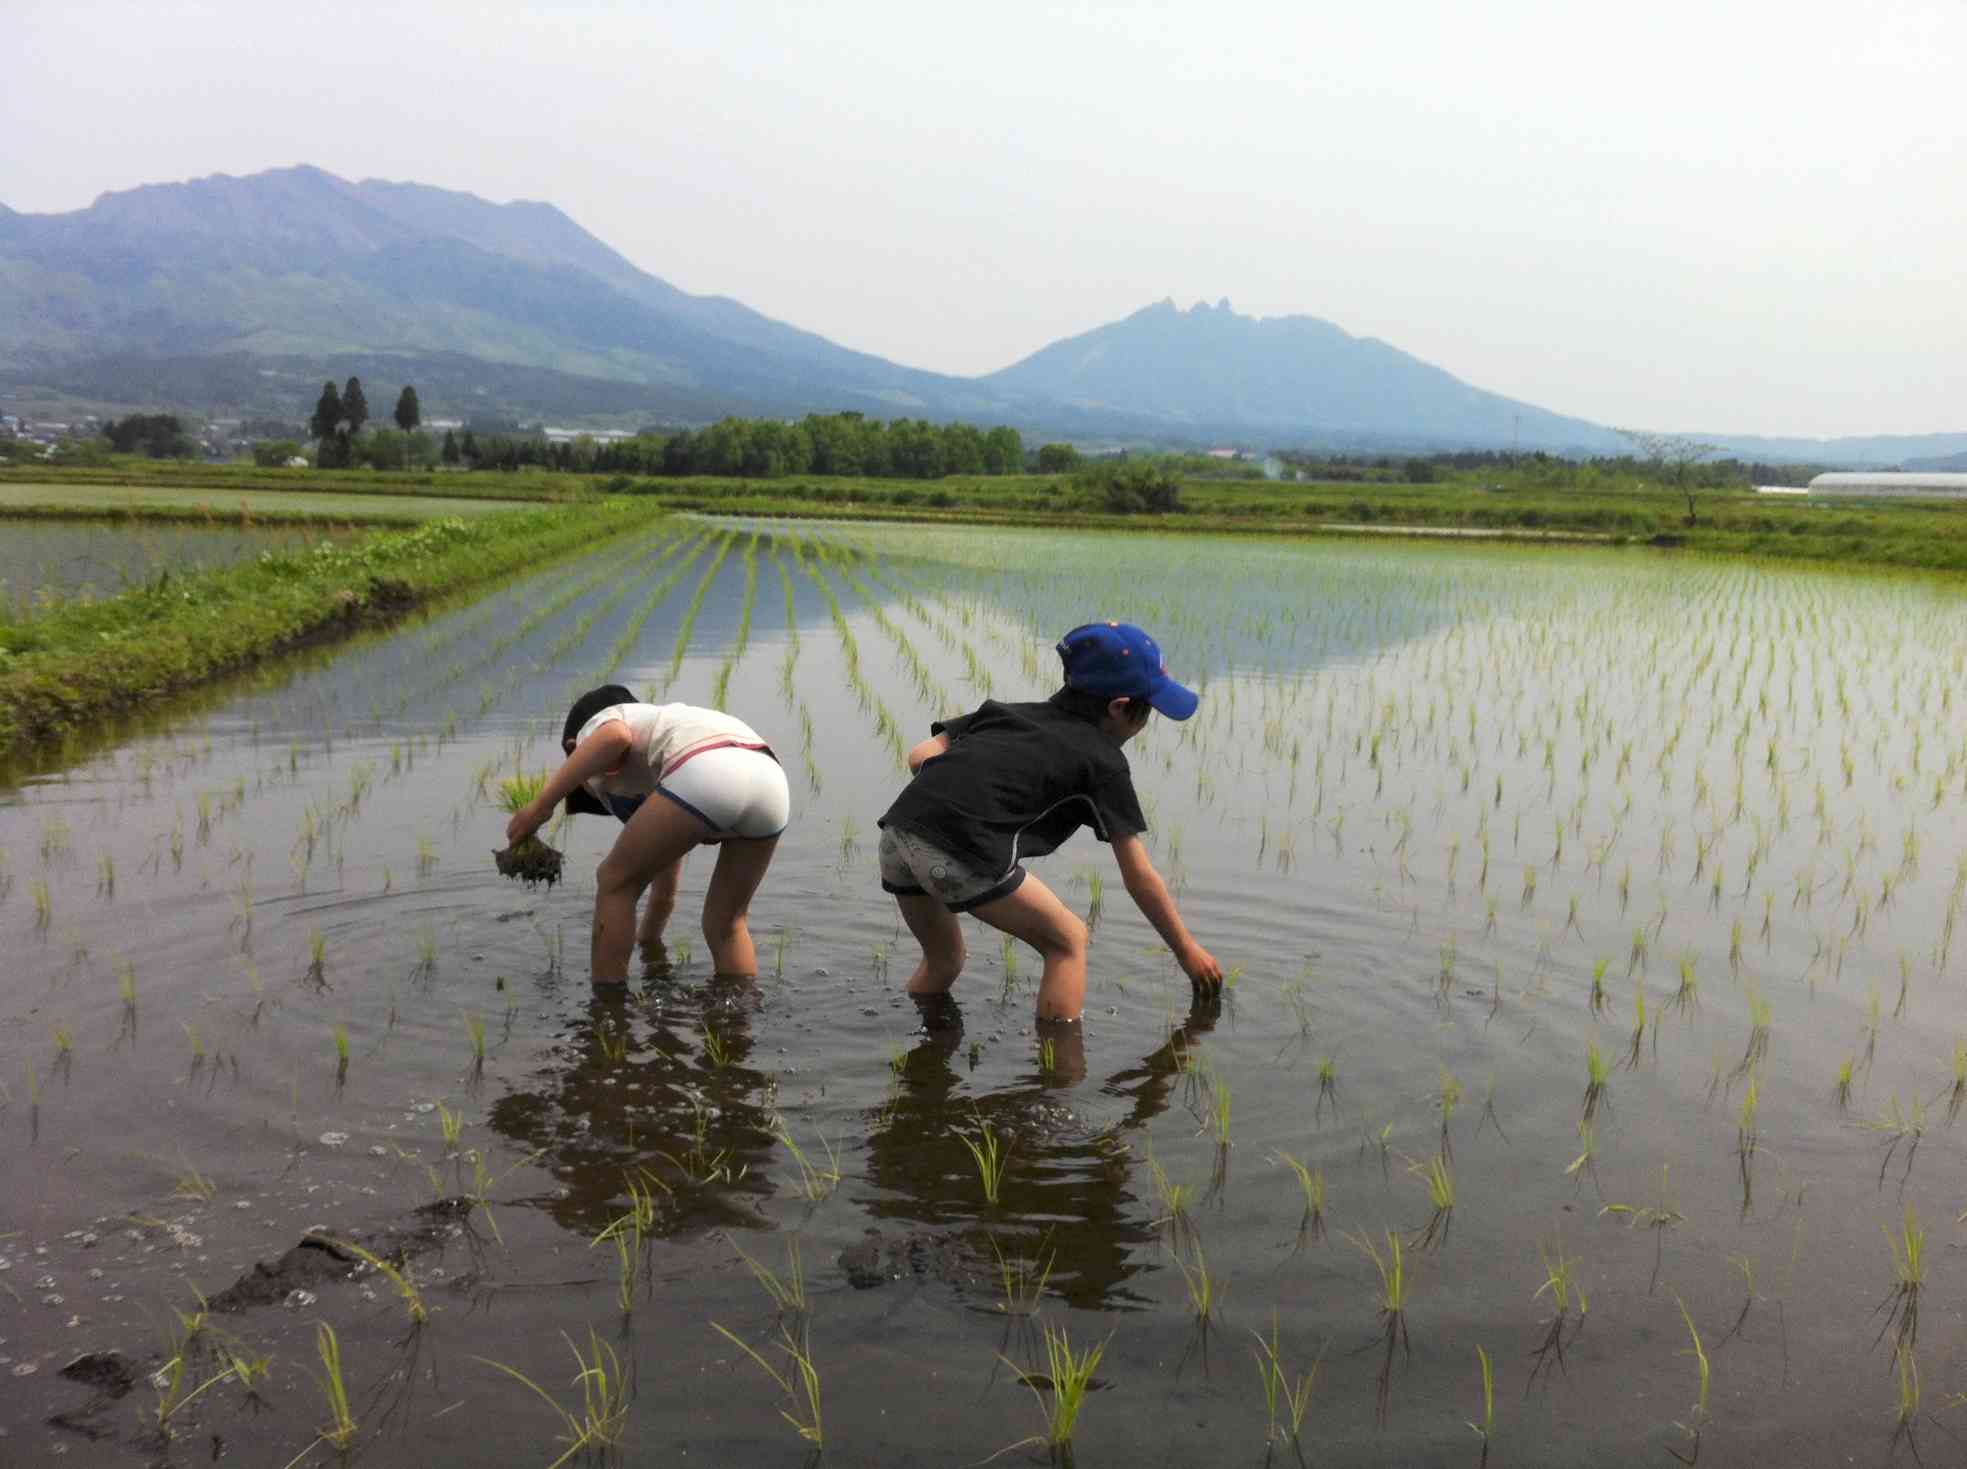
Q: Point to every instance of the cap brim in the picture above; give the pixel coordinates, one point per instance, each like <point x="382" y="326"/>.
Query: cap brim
<point x="1174" y="701"/>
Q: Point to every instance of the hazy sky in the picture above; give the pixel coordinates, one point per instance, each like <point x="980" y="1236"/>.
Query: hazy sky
<point x="1732" y="217"/>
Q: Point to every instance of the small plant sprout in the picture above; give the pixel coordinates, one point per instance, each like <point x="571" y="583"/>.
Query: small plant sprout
<point x="126" y="981"/>
<point x="396" y="1274"/>
<point x="1562" y="1286"/>
<point x="1760" y="1016"/>
<point x="1957" y="1093"/>
<point x="1597" y="1080"/>
<point x="1904" y="1127"/>
<point x="452" y="1124"/>
<point x="1204" y="1288"/>
<point x="1687" y="998"/>
<point x="1068" y="1376"/>
<point x="1699" y="1354"/>
<point x="1311" y="1183"/>
<point x="800" y="1381"/>
<point x="1901" y="1304"/>
<point x="1586" y="1163"/>
<point x="1487" y="1426"/>
<point x="316" y="973"/>
<point x="340" y="1432"/>
<point x="788" y="1291"/>
<point x="341" y="1051"/>
<point x="991" y="1154"/>
<point x="1279" y="1388"/>
<point x="1328" y="1088"/>
<point x="1636" y="958"/>
<point x="605" y="1392"/>
<point x="1023" y="1279"/>
<point x="1638" y="1040"/>
<point x="474" y="1027"/>
<point x="1599" y="999"/>
<point x="1841" y="1088"/>
<point x="1174" y="1201"/>
<point x="1392" y="1269"/>
<point x="1746" y="1266"/>
<point x="816" y="1181"/>
<point x="1438" y="1174"/>
<point x="1448" y="1099"/>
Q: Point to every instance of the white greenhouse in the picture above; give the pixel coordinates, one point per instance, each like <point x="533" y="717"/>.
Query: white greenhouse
<point x="1890" y="486"/>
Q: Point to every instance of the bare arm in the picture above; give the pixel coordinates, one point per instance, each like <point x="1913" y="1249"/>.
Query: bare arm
<point x="928" y="750"/>
<point x="1157" y="905"/>
<point x="598" y="754"/>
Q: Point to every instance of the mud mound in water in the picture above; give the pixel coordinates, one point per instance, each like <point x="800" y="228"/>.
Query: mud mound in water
<point x="531" y="861"/>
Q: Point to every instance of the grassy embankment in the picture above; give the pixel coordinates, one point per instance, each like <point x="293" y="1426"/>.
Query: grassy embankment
<point x="90" y="660"/>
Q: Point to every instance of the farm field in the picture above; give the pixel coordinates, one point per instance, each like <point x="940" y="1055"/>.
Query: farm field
<point x="45" y="564"/>
<point x="1594" y="1025"/>
<point x="70" y="497"/>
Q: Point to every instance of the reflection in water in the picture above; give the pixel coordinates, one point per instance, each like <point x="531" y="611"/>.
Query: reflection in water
<point x="662" y="1086"/>
<point x="660" y="1083"/>
<point x="1066" y="1191"/>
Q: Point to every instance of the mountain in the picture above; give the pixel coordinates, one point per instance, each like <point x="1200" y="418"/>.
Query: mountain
<point x="1282" y="375"/>
<point x="243" y="294"/>
<point x="298" y="263"/>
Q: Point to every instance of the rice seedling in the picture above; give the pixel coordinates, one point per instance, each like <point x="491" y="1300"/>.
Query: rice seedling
<point x="1841" y="1088"/>
<point x="44" y="907"/>
<point x="1068" y="1377"/>
<point x="1485" y="1430"/>
<point x="1760" y="1017"/>
<point x="1204" y="1287"/>
<point x="991" y="1155"/>
<point x="1700" y="1414"/>
<point x="106" y="876"/>
<point x="1746" y="1266"/>
<point x="1562" y="1285"/>
<point x="1586" y="1163"/>
<point x="1901" y="1304"/>
<point x="191" y="1184"/>
<point x="1439" y="1175"/>
<point x="1631" y="1058"/>
<point x="1279" y="1388"/>
<point x="1311" y="1183"/>
<point x="1906" y="1409"/>
<point x="1636" y="956"/>
<point x="1597" y="1080"/>
<point x="474" y="1027"/>
<point x="316" y="973"/>
<point x="816" y="1181"/>
<point x="1023" y="1278"/>
<point x="341" y="1052"/>
<point x="605" y="1393"/>
<point x="1328" y="1088"/>
<point x="1174" y="1200"/>
<point x="1904" y="1126"/>
<point x="452" y="1126"/>
<point x="1598" y="998"/>
<point x="1448" y="1097"/>
<point x="788" y="1292"/>
<point x="1687" y="998"/>
<point x="340" y="1432"/>
<point x="396" y="1274"/>
<point x="1392" y="1270"/>
<point x="716" y="1049"/>
<point x="800" y="1382"/>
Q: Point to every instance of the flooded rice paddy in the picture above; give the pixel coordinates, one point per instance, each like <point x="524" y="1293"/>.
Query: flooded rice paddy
<point x="49" y="564"/>
<point x="1595" y="1024"/>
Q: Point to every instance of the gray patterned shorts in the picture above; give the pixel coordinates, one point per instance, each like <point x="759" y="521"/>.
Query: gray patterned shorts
<point x="912" y="867"/>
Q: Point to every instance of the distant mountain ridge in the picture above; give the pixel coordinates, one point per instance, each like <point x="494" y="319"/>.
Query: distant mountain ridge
<point x="227" y="292"/>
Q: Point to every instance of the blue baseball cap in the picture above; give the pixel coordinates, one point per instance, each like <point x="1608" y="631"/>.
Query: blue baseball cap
<point x="1116" y="660"/>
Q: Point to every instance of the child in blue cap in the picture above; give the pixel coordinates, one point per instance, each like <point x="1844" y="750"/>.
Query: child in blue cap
<point x="1013" y="781"/>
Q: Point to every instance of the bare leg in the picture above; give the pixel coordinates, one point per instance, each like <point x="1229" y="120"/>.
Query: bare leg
<point x="662" y="903"/>
<point x="656" y="838"/>
<point x="941" y="935"/>
<point x="1035" y="914"/>
<point x="741" y="864"/>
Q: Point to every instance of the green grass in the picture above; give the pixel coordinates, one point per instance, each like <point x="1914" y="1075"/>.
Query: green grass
<point x="74" y="667"/>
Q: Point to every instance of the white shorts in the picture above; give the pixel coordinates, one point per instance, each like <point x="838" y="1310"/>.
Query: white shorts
<point x="733" y="791"/>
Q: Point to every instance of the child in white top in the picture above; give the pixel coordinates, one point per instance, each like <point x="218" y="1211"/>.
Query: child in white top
<point x="721" y="785"/>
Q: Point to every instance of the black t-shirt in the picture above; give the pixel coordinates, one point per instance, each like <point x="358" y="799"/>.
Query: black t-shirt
<point x="1017" y="781"/>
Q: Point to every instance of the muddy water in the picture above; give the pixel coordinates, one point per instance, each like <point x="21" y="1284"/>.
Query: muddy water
<point x="1429" y="791"/>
